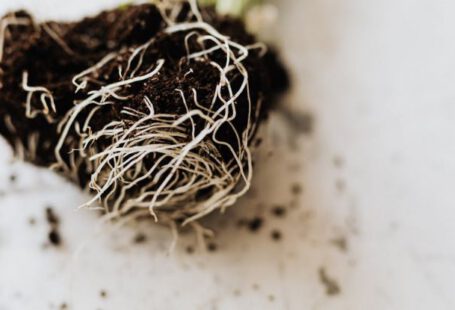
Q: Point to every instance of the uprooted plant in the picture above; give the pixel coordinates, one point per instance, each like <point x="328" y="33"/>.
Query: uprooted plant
<point x="152" y="107"/>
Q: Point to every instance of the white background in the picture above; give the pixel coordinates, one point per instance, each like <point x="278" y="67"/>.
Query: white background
<point x="379" y="79"/>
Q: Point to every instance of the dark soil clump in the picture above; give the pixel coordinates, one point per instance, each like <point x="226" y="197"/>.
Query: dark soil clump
<point x="332" y="287"/>
<point x="255" y="224"/>
<point x="50" y="54"/>
<point x="54" y="237"/>
<point x="140" y="238"/>
<point x="103" y="294"/>
<point x="51" y="217"/>
<point x="279" y="211"/>
<point x="54" y="223"/>
<point x="276" y="235"/>
<point x="212" y="247"/>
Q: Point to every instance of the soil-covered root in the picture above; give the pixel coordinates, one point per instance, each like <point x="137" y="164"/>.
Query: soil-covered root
<point x="152" y="108"/>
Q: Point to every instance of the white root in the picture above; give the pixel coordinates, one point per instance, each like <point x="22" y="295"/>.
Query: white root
<point x="80" y="85"/>
<point x="56" y="37"/>
<point x="158" y="163"/>
<point x="4" y="24"/>
<point x="45" y="97"/>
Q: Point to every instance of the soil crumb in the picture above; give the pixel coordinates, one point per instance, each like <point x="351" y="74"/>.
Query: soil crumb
<point x="54" y="236"/>
<point x="103" y="294"/>
<point x="300" y="122"/>
<point x="276" y="235"/>
<point x="341" y="243"/>
<point x="189" y="249"/>
<point x="255" y="224"/>
<point x="332" y="287"/>
<point x="140" y="238"/>
<point x="212" y="247"/>
<point x="279" y="211"/>
<point x="12" y="178"/>
<point x="296" y="189"/>
<point x="51" y="217"/>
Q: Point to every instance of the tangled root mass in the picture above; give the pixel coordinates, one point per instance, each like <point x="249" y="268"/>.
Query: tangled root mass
<point x="151" y="107"/>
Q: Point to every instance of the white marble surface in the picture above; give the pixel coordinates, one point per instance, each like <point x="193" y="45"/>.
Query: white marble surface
<point x="379" y="79"/>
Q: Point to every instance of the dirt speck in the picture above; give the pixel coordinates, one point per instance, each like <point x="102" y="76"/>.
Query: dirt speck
<point x="296" y="189"/>
<point x="190" y="249"/>
<point x="255" y="224"/>
<point x="54" y="223"/>
<point x="300" y="122"/>
<point x="332" y="287"/>
<point x="12" y="178"/>
<point x="140" y="238"/>
<point x="276" y="235"/>
<point x="341" y="243"/>
<point x="103" y="294"/>
<point x="279" y="211"/>
<point x="51" y="217"/>
<point x="212" y="247"/>
<point x="54" y="237"/>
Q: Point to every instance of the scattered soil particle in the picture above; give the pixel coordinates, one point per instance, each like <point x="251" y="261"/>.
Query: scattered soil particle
<point x="271" y="298"/>
<point x="103" y="294"/>
<point x="12" y="178"/>
<point x="300" y="122"/>
<point x="51" y="217"/>
<point x="296" y="189"/>
<point x="32" y="221"/>
<point x="255" y="224"/>
<point x="341" y="243"/>
<point x="237" y="292"/>
<point x="258" y="142"/>
<point x="279" y="211"/>
<point x="54" y="237"/>
<point x="140" y="238"/>
<point x="256" y="286"/>
<point x="276" y="235"/>
<point x="54" y="222"/>
<point x="212" y="247"/>
<point x="332" y="287"/>
<point x="190" y="249"/>
<point x="63" y="306"/>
